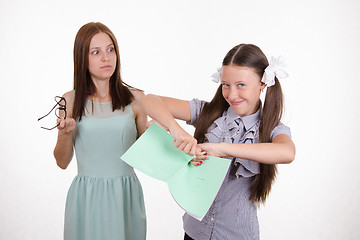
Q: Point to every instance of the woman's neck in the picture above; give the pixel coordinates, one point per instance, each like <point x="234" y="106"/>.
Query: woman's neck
<point x="102" y="92"/>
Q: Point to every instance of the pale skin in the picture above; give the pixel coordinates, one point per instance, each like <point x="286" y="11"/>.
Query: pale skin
<point x="102" y="62"/>
<point x="241" y="88"/>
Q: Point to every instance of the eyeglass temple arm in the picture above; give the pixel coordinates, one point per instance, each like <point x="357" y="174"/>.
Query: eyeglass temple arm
<point x="63" y="107"/>
<point x="48" y="112"/>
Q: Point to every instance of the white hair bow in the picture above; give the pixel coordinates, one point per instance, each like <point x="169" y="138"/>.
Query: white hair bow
<point x="276" y="68"/>
<point x="216" y="76"/>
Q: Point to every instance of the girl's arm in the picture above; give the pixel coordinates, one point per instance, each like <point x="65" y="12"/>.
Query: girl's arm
<point x="64" y="149"/>
<point x="280" y="150"/>
<point x="140" y="114"/>
<point x="164" y="110"/>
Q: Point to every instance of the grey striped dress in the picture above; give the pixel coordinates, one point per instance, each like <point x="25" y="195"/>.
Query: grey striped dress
<point x="232" y="216"/>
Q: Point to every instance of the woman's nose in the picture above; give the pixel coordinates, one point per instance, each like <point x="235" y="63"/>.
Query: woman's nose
<point x="105" y="57"/>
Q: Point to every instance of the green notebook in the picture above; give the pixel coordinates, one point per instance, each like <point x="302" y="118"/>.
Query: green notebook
<point x="194" y="188"/>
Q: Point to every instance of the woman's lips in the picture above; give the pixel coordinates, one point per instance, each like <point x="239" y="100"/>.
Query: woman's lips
<point x="106" y="67"/>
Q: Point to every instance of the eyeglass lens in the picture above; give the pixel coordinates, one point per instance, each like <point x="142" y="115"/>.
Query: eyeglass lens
<point x="60" y="111"/>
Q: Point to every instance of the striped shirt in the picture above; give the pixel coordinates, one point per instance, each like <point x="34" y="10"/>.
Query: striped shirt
<point x="232" y="216"/>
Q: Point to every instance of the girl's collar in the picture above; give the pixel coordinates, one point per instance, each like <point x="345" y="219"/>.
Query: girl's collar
<point x="249" y="121"/>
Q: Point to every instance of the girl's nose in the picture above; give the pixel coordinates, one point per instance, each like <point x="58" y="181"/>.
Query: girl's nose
<point x="232" y="93"/>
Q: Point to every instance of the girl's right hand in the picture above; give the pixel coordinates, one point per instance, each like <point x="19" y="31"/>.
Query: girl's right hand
<point x="200" y="157"/>
<point x="66" y="125"/>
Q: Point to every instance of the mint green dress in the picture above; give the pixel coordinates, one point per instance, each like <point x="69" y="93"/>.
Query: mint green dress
<point x="105" y="200"/>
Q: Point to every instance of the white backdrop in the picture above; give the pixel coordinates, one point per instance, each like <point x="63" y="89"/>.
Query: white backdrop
<point x="171" y="48"/>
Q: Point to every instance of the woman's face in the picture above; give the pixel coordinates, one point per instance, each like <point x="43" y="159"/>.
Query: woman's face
<point x="241" y="88"/>
<point x="102" y="57"/>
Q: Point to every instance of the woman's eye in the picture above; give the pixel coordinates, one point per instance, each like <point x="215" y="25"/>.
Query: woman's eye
<point x="111" y="49"/>
<point x="241" y="85"/>
<point x="95" y="52"/>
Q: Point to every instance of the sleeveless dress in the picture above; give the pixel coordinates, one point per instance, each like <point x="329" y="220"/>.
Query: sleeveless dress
<point x="105" y="200"/>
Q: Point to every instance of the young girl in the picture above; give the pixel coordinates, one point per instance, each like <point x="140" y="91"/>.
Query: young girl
<point x="105" y="200"/>
<point x="233" y="117"/>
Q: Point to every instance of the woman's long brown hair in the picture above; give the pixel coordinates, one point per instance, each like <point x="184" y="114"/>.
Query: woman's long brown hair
<point x="83" y="85"/>
<point x="248" y="55"/>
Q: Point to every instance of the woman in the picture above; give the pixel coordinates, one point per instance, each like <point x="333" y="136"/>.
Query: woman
<point x="105" y="200"/>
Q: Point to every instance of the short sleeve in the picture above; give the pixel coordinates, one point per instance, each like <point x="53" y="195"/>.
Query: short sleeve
<point x="280" y="129"/>
<point x="196" y="106"/>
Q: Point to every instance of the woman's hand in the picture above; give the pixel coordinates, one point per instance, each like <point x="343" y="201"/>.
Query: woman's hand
<point x="183" y="141"/>
<point x="66" y="125"/>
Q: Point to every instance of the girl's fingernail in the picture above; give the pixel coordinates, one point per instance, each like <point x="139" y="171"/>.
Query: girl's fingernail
<point x="198" y="164"/>
<point x="201" y="161"/>
<point x="206" y="157"/>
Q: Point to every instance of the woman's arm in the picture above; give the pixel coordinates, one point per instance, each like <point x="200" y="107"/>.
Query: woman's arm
<point x="64" y="149"/>
<point x="164" y="110"/>
<point x="280" y="150"/>
<point x="139" y="112"/>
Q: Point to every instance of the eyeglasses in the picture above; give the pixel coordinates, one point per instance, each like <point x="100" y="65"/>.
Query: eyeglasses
<point x="59" y="106"/>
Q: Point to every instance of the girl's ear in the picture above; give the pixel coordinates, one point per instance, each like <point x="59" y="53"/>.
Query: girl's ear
<point x="262" y="86"/>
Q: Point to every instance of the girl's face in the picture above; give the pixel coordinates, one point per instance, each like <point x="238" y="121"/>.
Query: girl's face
<point x="241" y="88"/>
<point x="102" y="57"/>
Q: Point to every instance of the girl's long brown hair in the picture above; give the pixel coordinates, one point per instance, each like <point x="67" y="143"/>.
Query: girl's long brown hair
<point x="83" y="85"/>
<point x="248" y="55"/>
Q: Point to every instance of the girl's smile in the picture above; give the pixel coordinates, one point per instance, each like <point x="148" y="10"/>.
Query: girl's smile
<point x="235" y="103"/>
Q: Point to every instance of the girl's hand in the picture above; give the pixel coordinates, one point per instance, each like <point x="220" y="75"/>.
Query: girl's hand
<point x="199" y="158"/>
<point x="213" y="149"/>
<point x="66" y="125"/>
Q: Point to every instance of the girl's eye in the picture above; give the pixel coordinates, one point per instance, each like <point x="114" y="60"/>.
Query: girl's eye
<point x="111" y="49"/>
<point x="241" y="85"/>
<point x="225" y="85"/>
<point x="95" y="52"/>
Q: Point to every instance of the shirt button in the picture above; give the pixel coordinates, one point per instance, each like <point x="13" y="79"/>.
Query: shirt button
<point x="212" y="219"/>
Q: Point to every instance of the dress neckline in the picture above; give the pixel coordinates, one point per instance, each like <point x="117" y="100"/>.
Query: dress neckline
<point x="98" y="102"/>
